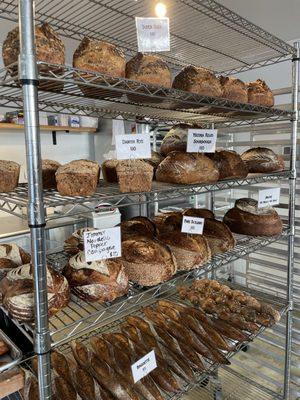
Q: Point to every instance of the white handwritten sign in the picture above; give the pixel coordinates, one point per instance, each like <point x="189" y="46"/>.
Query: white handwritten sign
<point x="202" y="140"/>
<point x="268" y="197"/>
<point x="193" y="225"/>
<point x="133" y="146"/>
<point x="102" y="244"/>
<point x="153" y="34"/>
<point x="144" y="366"/>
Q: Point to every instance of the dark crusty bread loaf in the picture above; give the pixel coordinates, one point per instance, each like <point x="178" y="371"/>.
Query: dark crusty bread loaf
<point x="134" y="176"/>
<point x="199" y="213"/>
<point x="262" y="159"/>
<point x="198" y="80"/>
<point x="148" y="262"/>
<point x="218" y="235"/>
<point x="234" y="89"/>
<point x="190" y="251"/>
<point x="102" y="57"/>
<point x="137" y="227"/>
<point x="49" y="49"/>
<point x="246" y="218"/>
<point x="259" y="93"/>
<point x="78" y="178"/>
<point x="49" y="168"/>
<point x="9" y="175"/>
<point x="17" y="294"/>
<point x="176" y="139"/>
<point x="187" y="168"/>
<point x="109" y="171"/>
<point x="229" y="164"/>
<point x="102" y="281"/>
<point x="150" y="69"/>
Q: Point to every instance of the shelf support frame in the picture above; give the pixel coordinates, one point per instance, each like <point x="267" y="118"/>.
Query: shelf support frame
<point x="291" y="242"/>
<point x="28" y="77"/>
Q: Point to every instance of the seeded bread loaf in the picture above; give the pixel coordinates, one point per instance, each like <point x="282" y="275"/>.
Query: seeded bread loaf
<point x="9" y="175"/>
<point x="49" y="168"/>
<point x="262" y="159"/>
<point x="259" y="93"/>
<point x="134" y="176"/>
<point x="234" y="89"/>
<point x="78" y="178"/>
<point x="49" y="49"/>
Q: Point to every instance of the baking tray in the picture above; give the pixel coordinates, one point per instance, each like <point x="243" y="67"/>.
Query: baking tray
<point x="15" y="355"/>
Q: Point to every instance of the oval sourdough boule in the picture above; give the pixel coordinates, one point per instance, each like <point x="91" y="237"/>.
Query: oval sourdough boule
<point x="259" y="93"/>
<point x="229" y="164"/>
<point x="137" y="227"/>
<point x="218" y="235"/>
<point x="247" y="219"/>
<point x="262" y="159"/>
<point x="102" y="281"/>
<point x="199" y="213"/>
<point x="187" y="168"/>
<point x="234" y="89"/>
<point x="9" y="175"/>
<point x="176" y="138"/>
<point x="148" y="262"/>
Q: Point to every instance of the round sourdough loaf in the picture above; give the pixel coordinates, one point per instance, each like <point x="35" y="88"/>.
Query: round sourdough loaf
<point x="49" y="49"/>
<point x="176" y="138"/>
<point x="101" y="281"/>
<point x="9" y="175"/>
<point x="218" y="235"/>
<point x="199" y="213"/>
<point x="198" y="80"/>
<point x="259" y="93"/>
<point x="234" y="89"/>
<point x="12" y="256"/>
<point x="246" y="218"/>
<point x="187" y="168"/>
<point x="49" y="168"/>
<point x="229" y="164"/>
<point x="102" y="57"/>
<point x="78" y="178"/>
<point x="262" y="159"/>
<point x="17" y="293"/>
<point x="137" y="227"/>
<point x="75" y="243"/>
<point x="148" y="262"/>
<point x="190" y="251"/>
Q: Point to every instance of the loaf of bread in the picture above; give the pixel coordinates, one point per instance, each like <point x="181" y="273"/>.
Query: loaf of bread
<point x="199" y="213"/>
<point x="49" y="168"/>
<point x="262" y="159"/>
<point x="246" y="218"/>
<point x="102" y="57"/>
<point x="229" y="164"/>
<point x="259" y="93"/>
<point x="234" y="89"/>
<point x="75" y="243"/>
<point x="78" y="178"/>
<point x="12" y="256"/>
<point x="134" y="176"/>
<point x="218" y="235"/>
<point x="101" y="281"/>
<point x="17" y="293"/>
<point x="49" y="49"/>
<point x="137" y="227"/>
<point x="175" y="139"/>
<point x="109" y="171"/>
<point x="190" y="251"/>
<point x="198" y="80"/>
<point x="147" y="261"/>
<point x="154" y="161"/>
<point x="9" y="175"/>
<point x="187" y="168"/>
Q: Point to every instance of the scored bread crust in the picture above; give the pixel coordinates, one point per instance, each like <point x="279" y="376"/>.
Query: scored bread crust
<point x="218" y="235"/>
<point x="262" y="159"/>
<point x="259" y="93"/>
<point x="229" y="164"/>
<point x="12" y="256"/>
<point x="137" y="227"/>
<point x="234" y="89"/>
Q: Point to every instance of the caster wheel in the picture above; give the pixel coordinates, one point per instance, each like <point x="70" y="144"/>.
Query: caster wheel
<point x="245" y="348"/>
<point x="205" y="382"/>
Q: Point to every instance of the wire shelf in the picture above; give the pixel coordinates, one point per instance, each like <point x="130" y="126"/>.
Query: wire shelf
<point x="81" y="316"/>
<point x="69" y="90"/>
<point x="66" y="206"/>
<point x="214" y="36"/>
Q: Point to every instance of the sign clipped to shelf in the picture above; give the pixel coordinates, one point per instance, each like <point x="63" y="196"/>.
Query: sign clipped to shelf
<point x="102" y="244"/>
<point x="268" y="197"/>
<point x="143" y="366"/>
<point x="153" y="34"/>
<point x="192" y="225"/>
<point x="202" y="140"/>
<point x="133" y="146"/>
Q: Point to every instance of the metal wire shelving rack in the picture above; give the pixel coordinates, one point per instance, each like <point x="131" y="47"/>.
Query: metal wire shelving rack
<point x="216" y="38"/>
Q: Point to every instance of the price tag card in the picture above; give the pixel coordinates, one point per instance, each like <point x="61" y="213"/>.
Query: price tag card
<point x="193" y="225"/>
<point x="201" y="140"/>
<point x="144" y="366"/>
<point x="133" y="146"/>
<point x="102" y="244"/>
<point x="153" y="34"/>
<point x="268" y="197"/>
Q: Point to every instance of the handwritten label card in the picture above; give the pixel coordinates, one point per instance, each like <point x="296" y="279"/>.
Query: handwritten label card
<point x="102" y="244"/>
<point x="133" y="146"/>
<point x="268" y="197"/>
<point x="144" y="366"/>
<point x="202" y="140"/>
<point x="193" y="225"/>
<point x="153" y="34"/>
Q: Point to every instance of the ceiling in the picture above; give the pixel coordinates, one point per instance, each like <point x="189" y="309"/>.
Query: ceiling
<point x="280" y="17"/>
